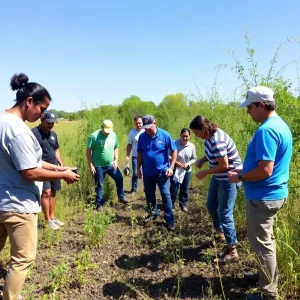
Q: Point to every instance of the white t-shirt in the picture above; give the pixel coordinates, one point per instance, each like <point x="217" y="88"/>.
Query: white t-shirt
<point x="19" y="150"/>
<point x="133" y="138"/>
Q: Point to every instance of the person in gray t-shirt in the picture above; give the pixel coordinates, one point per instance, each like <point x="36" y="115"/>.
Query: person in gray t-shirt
<point x="21" y="174"/>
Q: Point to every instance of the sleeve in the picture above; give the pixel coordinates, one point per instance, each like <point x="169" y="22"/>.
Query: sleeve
<point x="22" y="151"/>
<point x="90" y="143"/>
<point x="265" y="146"/>
<point x="130" y="138"/>
<point x="116" y="142"/>
<point x="139" y="145"/>
<point x="193" y="157"/>
<point x="56" y="141"/>
<point x="171" y="144"/>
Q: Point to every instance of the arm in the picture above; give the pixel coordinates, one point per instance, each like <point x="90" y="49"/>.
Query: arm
<point x="89" y="158"/>
<point x="200" y="162"/>
<point x="58" y="157"/>
<point x="139" y="165"/>
<point x="128" y="150"/>
<point x="193" y="158"/>
<point x="222" y="166"/>
<point x="172" y="163"/>
<point x="52" y="167"/>
<point x="116" y="157"/>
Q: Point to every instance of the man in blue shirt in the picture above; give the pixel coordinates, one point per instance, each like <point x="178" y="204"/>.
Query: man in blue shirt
<point x="153" y="150"/>
<point x="265" y="175"/>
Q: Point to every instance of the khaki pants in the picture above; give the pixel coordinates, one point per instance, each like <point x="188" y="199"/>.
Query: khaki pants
<point x="22" y="232"/>
<point x="260" y="219"/>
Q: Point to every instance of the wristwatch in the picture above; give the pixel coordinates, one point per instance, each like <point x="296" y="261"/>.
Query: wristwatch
<point x="240" y="177"/>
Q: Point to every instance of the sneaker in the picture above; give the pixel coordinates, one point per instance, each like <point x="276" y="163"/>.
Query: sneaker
<point x="149" y="218"/>
<point x="99" y="208"/>
<point x="57" y="222"/>
<point x="184" y="209"/>
<point x="171" y="227"/>
<point x="251" y="276"/>
<point x="260" y="296"/>
<point x="230" y="255"/>
<point x="52" y="225"/>
<point x="124" y="201"/>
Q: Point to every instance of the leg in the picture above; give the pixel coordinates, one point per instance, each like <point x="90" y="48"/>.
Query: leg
<point x="22" y="232"/>
<point x="260" y="218"/>
<point x="46" y="195"/>
<point x="134" y="180"/>
<point x="116" y="175"/>
<point x="99" y="177"/>
<point x="212" y="203"/>
<point x="226" y="200"/>
<point x="52" y="204"/>
<point x="150" y="186"/>
<point x="164" y="186"/>
<point x="184" y="190"/>
<point x="173" y="190"/>
<point x="3" y="231"/>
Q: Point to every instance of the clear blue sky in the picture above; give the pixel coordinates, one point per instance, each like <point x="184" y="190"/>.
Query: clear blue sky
<point x="104" y="51"/>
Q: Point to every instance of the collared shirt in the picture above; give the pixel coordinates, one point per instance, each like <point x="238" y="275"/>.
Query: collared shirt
<point x="186" y="154"/>
<point x="155" y="151"/>
<point x="133" y="138"/>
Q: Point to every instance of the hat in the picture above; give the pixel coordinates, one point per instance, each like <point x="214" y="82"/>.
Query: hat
<point x="126" y="171"/>
<point x="50" y="116"/>
<point x="107" y="126"/>
<point x="148" y="121"/>
<point x="258" y="94"/>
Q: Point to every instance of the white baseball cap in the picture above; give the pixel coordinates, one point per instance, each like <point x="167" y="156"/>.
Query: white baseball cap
<point x="258" y="94"/>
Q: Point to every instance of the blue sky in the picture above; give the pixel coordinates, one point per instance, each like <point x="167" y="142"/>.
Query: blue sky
<point x="100" y="52"/>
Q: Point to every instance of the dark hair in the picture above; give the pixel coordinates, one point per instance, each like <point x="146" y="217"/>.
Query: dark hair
<point x="137" y="117"/>
<point x="183" y="130"/>
<point x="269" y="105"/>
<point x="200" y="122"/>
<point x="28" y="89"/>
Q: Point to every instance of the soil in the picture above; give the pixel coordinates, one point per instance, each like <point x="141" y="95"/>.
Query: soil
<point x="135" y="261"/>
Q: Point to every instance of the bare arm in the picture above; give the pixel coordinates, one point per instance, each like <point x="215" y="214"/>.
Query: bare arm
<point x="200" y="162"/>
<point x="58" y="157"/>
<point x="222" y="166"/>
<point x="116" y="156"/>
<point x="128" y="151"/>
<point x="89" y="158"/>
<point x="172" y="163"/>
<point x="139" y="164"/>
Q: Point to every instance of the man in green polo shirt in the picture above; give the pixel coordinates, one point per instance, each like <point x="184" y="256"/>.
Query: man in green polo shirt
<point x="102" y="155"/>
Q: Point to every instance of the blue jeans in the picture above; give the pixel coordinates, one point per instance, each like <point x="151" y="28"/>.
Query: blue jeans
<point x="183" y="190"/>
<point x="99" y="177"/>
<point x="134" y="180"/>
<point x="220" y="203"/>
<point x="163" y="183"/>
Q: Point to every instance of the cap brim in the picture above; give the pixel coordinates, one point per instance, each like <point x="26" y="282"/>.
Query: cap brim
<point x="244" y="104"/>
<point x="147" y="126"/>
<point x="108" y="130"/>
<point x="51" y="120"/>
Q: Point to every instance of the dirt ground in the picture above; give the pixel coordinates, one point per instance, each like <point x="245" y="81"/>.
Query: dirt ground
<point x="142" y="262"/>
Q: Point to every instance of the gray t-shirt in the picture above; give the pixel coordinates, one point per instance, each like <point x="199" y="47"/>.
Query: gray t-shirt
<point x="19" y="150"/>
<point x="133" y="138"/>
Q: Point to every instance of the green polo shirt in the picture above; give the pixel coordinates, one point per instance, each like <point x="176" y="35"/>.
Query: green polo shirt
<point x="102" y="148"/>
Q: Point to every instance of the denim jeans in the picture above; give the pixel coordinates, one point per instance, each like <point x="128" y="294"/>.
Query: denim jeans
<point x="99" y="177"/>
<point x="220" y="203"/>
<point x="183" y="190"/>
<point x="163" y="183"/>
<point x="134" y="180"/>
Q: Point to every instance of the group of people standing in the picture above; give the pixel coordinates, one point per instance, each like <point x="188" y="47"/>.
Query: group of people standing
<point x="31" y="168"/>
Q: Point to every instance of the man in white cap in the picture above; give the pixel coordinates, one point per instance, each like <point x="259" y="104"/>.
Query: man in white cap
<point x="102" y="154"/>
<point x="265" y="175"/>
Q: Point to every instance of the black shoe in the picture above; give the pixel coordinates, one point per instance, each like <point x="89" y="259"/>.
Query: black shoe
<point x="124" y="201"/>
<point x="171" y="227"/>
<point x="251" y="276"/>
<point x="260" y="296"/>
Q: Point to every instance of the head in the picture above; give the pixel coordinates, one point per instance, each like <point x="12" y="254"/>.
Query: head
<point x="107" y="127"/>
<point x="260" y="102"/>
<point x="202" y="128"/>
<point x="149" y="125"/>
<point x="48" y="120"/>
<point x="31" y="97"/>
<point x="185" y="135"/>
<point x="138" y="122"/>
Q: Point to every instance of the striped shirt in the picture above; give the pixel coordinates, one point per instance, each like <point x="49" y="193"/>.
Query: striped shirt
<point x="221" y="145"/>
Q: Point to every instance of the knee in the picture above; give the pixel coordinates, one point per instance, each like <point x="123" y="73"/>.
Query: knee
<point x="46" y="194"/>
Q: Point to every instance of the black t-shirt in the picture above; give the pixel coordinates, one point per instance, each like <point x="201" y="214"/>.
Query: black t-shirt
<point x="49" y="144"/>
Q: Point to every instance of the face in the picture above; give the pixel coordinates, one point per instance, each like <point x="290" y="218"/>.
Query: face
<point x="152" y="130"/>
<point x="138" y="124"/>
<point x="184" y="137"/>
<point x="254" y="111"/>
<point x="46" y="126"/>
<point x="34" y="111"/>
<point x="199" y="133"/>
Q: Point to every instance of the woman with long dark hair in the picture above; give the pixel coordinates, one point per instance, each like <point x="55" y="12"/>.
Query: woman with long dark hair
<point x="21" y="174"/>
<point x="222" y="156"/>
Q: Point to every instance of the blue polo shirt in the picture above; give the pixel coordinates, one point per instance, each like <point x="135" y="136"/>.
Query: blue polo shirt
<point x="272" y="141"/>
<point x="155" y="151"/>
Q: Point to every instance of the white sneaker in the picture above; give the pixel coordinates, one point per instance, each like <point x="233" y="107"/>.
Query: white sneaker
<point x="57" y="222"/>
<point x="52" y="225"/>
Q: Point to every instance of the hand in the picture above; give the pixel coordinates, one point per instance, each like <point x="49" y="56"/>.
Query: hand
<point x="199" y="163"/>
<point x="115" y="164"/>
<point x="233" y="176"/>
<point x="169" y="172"/>
<point x="92" y="169"/>
<point x="201" y="174"/>
<point x="70" y="177"/>
<point x="139" y="174"/>
<point x="178" y="164"/>
<point x="185" y="166"/>
<point x="127" y="160"/>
